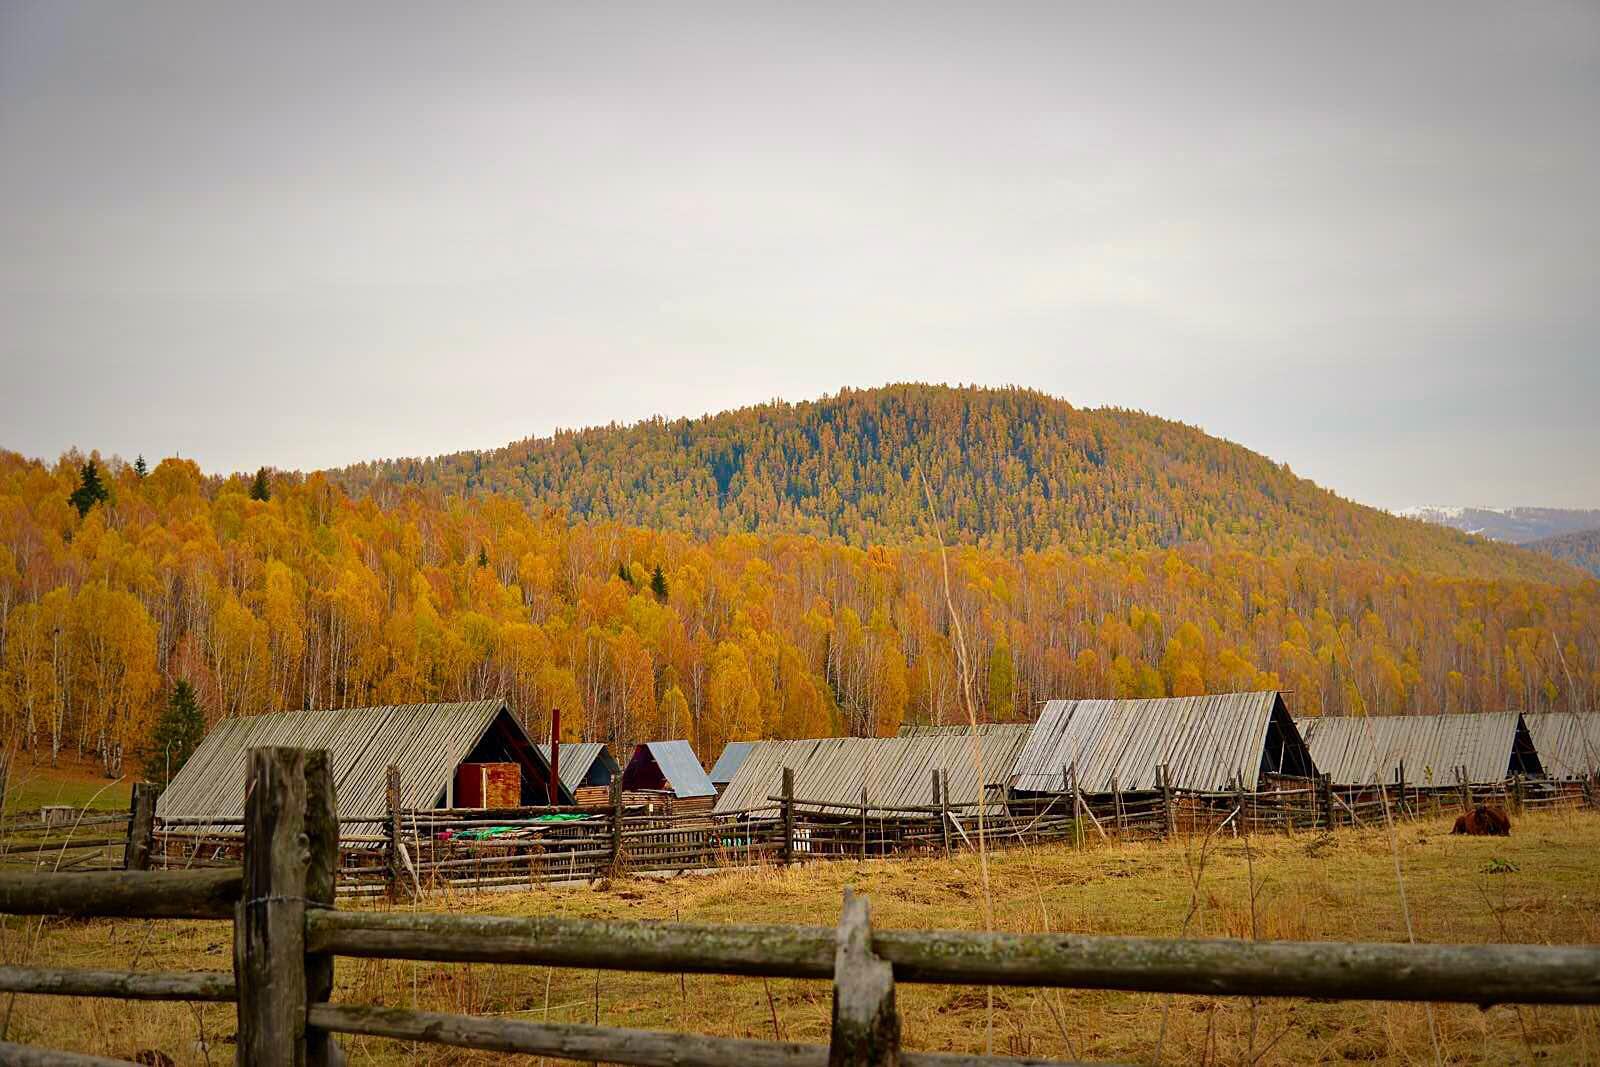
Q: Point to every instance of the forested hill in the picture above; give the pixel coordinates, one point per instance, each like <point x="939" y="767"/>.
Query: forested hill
<point x="1010" y="469"/>
<point x="1581" y="549"/>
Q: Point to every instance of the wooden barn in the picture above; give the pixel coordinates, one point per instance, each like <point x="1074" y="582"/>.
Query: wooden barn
<point x="473" y="754"/>
<point x="1369" y="750"/>
<point x="734" y="753"/>
<point x="893" y="772"/>
<point x="1568" y="744"/>
<point x="1207" y="744"/>
<point x="673" y="768"/>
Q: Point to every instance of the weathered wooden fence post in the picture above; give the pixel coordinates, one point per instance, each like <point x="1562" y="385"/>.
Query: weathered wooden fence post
<point x="943" y="806"/>
<point x="1325" y="796"/>
<point x="1400" y="780"/>
<point x="866" y="1026"/>
<point x="291" y="856"/>
<point x="1518" y="793"/>
<point x="1243" y="826"/>
<point x="1164" y="780"/>
<point x="395" y="869"/>
<point x="864" y="823"/>
<point x="616" y="824"/>
<point x="1466" y="789"/>
<point x="788" y="816"/>
<point x="1116" y="805"/>
<point x="141" y="827"/>
<point x="1069" y="785"/>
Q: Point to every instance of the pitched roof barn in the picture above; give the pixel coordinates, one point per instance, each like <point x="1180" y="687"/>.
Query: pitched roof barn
<point x="427" y="742"/>
<point x="1368" y="749"/>
<point x="668" y="765"/>
<point x="733" y="754"/>
<point x="584" y="763"/>
<point x="895" y="771"/>
<point x="1207" y="743"/>
<point x="1568" y="743"/>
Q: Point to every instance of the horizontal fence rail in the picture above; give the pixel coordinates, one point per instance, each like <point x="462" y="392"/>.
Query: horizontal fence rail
<point x="123" y="894"/>
<point x="123" y="985"/>
<point x="644" y="1048"/>
<point x="1467" y="974"/>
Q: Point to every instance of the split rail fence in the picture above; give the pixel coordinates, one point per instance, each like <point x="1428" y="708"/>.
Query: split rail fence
<point x="287" y="934"/>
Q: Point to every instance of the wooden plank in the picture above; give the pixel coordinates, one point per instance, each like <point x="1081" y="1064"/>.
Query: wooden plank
<point x="122" y="894"/>
<point x="645" y="1048"/>
<point x="866" y="1026"/>
<point x="616" y="824"/>
<point x="1467" y="974"/>
<point x="64" y="845"/>
<point x="124" y="985"/>
<point x="14" y="1055"/>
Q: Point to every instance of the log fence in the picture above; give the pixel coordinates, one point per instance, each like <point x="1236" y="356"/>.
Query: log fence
<point x="288" y="934"/>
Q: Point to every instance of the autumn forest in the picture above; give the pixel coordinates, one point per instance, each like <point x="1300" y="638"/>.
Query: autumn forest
<point x="772" y="572"/>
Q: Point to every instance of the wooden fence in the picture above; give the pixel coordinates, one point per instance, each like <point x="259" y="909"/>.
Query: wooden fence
<point x="408" y="852"/>
<point x="287" y="934"/>
<point x="412" y="852"/>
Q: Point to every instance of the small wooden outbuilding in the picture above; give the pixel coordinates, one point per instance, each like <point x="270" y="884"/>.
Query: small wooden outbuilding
<point x="1435" y="750"/>
<point x="447" y="754"/>
<point x="1207" y="743"/>
<point x="671" y="767"/>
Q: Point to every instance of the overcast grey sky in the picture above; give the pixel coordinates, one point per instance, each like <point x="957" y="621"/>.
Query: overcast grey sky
<point x="1359" y="238"/>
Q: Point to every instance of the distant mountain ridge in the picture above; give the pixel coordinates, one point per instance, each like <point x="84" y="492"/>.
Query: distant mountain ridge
<point x="1581" y="549"/>
<point x="1517" y="526"/>
<point x="1011" y="469"/>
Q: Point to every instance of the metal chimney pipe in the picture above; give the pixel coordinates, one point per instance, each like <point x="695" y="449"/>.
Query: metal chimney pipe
<point x="555" y="756"/>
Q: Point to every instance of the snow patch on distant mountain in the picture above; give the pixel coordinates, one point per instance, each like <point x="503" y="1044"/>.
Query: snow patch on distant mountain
<point x="1518" y="525"/>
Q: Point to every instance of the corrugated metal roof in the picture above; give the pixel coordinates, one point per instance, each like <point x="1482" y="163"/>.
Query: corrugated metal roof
<point x="1568" y="743"/>
<point x="681" y="768"/>
<point x="1207" y="742"/>
<point x="1367" y="750"/>
<point x="895" y="771"/>
<point x="426" y="741"/>
<point x="733" y="754"/>
<point x="578" y="757"/>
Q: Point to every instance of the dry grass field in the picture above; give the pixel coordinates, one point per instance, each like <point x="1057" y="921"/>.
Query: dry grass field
<point x="1541" y="885"/>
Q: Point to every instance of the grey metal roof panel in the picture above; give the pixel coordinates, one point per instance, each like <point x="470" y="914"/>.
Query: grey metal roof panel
<point x="893" y="771"/>
<point x="426" y="741"/>
<point x="1369" y="749"/>
<point x="733" y="754"/>
<point x="1568" y="743"/>
<point x="577" y="758"/>
<point x="1207" y="742"/>
<point x="681" y="768"/>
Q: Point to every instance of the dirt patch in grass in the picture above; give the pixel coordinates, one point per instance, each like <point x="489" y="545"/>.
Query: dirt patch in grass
<point x="1342" y="890"/>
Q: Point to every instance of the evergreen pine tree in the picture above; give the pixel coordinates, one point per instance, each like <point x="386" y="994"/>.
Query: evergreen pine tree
<point x="139" y="466"/>
<point x="260" y="489"/>
<point x="622" y="572"/>
<point x="176" y="735"/>
<point x="90" y="491"/>
<point x="658" y="584"/>
<point x="483" y="557"/>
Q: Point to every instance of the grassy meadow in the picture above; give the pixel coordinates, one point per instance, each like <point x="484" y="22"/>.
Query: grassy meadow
<point x="72" y="782"/>
<point x="1542" y="885"/>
